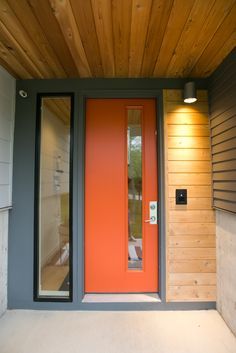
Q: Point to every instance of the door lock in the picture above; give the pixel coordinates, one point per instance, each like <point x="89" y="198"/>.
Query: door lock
<point x="152" y="213"/>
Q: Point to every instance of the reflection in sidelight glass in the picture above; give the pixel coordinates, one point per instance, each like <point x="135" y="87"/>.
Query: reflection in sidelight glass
<point x="134" y="150"/>
<point x="54" y="198"/>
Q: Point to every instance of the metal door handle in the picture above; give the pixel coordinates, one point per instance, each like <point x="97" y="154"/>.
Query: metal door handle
<point x="152" y="213"/>
<point x="152" y="219"/>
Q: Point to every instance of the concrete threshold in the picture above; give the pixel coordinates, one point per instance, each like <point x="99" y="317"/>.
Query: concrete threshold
<point x="122" y="298"/>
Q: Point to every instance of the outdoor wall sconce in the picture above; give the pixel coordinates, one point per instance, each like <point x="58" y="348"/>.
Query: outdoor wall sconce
<point x="190" y="95"/>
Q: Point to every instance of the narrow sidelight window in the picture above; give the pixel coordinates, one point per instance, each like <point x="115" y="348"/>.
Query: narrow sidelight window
<point x="53" y="213"/>
<point x="135" y="205"/>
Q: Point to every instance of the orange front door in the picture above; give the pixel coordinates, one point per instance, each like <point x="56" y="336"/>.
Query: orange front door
<point x="121" y="244"/>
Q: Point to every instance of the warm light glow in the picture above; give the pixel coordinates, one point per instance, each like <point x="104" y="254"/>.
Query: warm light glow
<point x="190" y="100"/>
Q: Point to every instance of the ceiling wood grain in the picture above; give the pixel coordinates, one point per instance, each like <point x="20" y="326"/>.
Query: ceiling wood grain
<point x="115" y="38"/>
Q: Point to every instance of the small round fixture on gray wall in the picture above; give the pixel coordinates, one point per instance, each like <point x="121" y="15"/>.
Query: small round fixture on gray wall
<point x="190" y="95"/>
<point x="23" y="93"/>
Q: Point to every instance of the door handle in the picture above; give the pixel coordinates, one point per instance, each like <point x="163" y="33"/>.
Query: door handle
<point x="152" y="213"/>
<point x="152" y="219"/>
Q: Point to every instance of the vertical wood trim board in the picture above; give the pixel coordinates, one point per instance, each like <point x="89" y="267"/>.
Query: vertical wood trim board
<point x="190" y="229"/>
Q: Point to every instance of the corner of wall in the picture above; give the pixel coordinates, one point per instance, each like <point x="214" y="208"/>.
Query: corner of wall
<point x="7" y="101"/>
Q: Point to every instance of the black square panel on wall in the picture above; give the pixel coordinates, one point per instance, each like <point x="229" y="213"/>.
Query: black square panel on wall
<point x="181" y="196"/>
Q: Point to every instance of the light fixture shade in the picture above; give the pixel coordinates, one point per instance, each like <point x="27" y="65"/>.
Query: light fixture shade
<point x="190" y="95"/>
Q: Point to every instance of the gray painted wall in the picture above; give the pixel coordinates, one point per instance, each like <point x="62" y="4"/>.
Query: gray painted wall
<point x="21" y="240"/>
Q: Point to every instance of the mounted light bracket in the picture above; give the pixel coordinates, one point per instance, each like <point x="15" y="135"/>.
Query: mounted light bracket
<point x="190" y="95"/>
<point x="23" y="93"/>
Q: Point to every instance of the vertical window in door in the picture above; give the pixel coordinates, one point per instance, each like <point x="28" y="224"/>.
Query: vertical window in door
<point x="134" y="160"/>
<point x="53" y="209"/>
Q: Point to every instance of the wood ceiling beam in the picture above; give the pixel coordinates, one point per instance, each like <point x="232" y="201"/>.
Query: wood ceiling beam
<point x="173" y="32"/>
<point x="160" y="14"/>
<point x="193" y="26"/>
<point x="17" y="37"/>
<point x="11" y="64"/>
<point x="121" y="17"/>
<point x="215" y="53"/>
<point x="66" y="20"/>
<point x="50" y="26"/>
<point x="83" y="14"/>
<point x="141" y="10"/>
<point x="221" y="54"/>
<point x="219" y="12"/>
<point x="103" y="23"/>
<point x="24" y="13"/>
<point x="19" y="53"/>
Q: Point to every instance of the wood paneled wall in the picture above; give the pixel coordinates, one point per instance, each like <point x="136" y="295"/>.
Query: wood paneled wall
<point x="223" y="134"/>
<point x="190" y="229"/>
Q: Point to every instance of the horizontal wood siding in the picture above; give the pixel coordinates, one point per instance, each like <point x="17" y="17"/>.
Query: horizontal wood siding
<point x="223" y="134"/>
<point x="191" y="255"/>
<point x="7" y="110"/>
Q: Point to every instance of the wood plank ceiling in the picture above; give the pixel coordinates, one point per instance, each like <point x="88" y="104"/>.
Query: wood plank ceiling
<point x="115" y="38"/>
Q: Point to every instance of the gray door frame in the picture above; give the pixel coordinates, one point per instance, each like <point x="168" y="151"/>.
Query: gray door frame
<point x="21" y="223"/>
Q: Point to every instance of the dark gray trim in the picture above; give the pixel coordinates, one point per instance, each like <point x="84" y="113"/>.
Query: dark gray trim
<point x="37" y="296"/>
<point x="223" y="134"/>
<point x="77" y="201"/>
<point x="81" y="194"/>
<point x="109" y="84"/>
<point x="161" y="192"/>
<point x="20" y="274"/>
<point x="162" y="306"/>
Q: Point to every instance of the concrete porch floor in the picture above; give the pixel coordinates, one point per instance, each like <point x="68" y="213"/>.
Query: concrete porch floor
<point x="115" y="332"/>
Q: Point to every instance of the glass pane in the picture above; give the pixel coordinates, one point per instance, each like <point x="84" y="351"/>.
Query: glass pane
<point x="134" y="142"/>
<point x="54" y="195"/>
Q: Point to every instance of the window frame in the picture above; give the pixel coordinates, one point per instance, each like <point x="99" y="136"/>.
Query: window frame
<point x="36" y="296"/>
